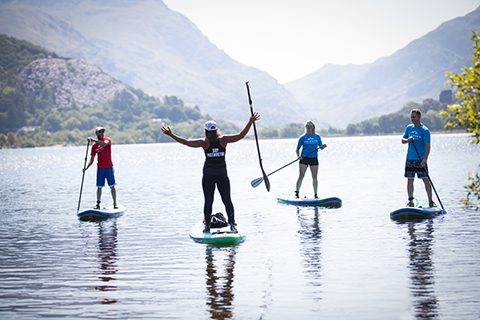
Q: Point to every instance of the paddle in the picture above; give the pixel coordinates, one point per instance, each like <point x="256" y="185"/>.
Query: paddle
<point x="267" y="183"/>
<point x="428" y="176"/>
<point x="256" y="182"/>
<point x="83" y="176"/>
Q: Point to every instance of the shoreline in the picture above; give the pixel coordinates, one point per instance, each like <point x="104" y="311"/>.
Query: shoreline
<point x="251" y="137"/>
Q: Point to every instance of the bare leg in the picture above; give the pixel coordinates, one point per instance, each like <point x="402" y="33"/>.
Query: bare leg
<point x="314" y="171"/>
<point x="410" y="188"/>
<point x="114" y="195"/>
<point x="302" y="170"/>
<point x="428" y="188"/>
<point x="99" y="195"/>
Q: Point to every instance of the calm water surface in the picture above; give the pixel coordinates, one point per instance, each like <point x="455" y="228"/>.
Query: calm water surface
<point x="297" y="263"/>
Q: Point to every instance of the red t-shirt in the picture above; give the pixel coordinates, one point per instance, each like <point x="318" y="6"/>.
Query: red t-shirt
<point x="104" y="159"/>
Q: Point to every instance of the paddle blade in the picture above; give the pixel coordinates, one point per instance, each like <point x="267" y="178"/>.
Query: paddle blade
<point x="256" y="182"/>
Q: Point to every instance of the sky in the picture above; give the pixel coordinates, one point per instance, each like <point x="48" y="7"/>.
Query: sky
<point x="292" y="38"/>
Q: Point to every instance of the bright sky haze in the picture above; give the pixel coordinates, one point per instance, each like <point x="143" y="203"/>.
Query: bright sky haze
<point x="292" y="38"/>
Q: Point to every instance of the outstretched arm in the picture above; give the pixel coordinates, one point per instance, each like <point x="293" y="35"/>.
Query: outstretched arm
<point x="230" y="138"/>
<point x="194" y="143"/>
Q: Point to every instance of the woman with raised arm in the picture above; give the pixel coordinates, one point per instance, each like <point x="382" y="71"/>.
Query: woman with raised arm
<point x="214" y="145"/>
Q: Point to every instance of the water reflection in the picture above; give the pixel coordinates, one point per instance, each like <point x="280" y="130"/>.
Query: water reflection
<point x="425" y="303"/>
<point x="311" y="239"/>
<point x="220" y="272"/>
<point x="107" y="257"/>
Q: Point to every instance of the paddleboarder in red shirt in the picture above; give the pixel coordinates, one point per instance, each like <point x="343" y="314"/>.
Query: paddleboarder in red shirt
<point x="102" y="146"/>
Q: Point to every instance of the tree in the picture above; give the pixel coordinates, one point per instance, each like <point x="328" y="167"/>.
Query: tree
<point x="292" y="130"/>
<point x="466" y="111"/>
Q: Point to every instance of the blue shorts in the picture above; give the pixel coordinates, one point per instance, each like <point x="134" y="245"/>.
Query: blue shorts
<point x="105" y="173"/>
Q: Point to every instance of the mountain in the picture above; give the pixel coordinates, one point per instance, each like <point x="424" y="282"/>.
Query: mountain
<point x="345" y="94"/>
<point x="146" y="45"/>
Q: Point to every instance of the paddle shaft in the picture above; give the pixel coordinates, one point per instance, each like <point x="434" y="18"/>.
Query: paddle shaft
<point x="267" y="183"/>
<point x="83" y="176"/>
<point x="256" y="182"/>
<point x="428" y="176"/>
<point x="293" y="162"/>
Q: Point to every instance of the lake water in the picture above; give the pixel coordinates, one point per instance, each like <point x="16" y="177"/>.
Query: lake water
<point x="296" y="263"/>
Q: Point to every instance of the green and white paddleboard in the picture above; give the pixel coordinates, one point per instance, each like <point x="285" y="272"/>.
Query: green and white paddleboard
<point x="216" y="235"/>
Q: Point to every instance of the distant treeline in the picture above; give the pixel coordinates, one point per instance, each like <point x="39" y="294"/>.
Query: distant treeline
<point x="126" y="121"/>
<point x="396" y="122"/>
<point x="386" y="124"/>
<point x="140" y="122"/>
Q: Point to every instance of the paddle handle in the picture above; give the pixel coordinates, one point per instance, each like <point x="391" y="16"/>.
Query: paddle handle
<point x="251" y="112"/>
<point x="83" y="176"/>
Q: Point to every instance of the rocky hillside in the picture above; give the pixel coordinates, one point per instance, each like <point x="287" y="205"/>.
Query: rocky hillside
<point x="71" y="82"/>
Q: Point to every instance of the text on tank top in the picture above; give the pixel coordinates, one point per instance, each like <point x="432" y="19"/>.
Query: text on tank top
<point x="215" y="159"/>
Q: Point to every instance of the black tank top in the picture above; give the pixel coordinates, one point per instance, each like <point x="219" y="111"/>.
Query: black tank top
<point x="215" y="159"/>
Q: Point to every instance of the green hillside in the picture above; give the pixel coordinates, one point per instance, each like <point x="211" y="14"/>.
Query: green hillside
<point x="15" y="107"/>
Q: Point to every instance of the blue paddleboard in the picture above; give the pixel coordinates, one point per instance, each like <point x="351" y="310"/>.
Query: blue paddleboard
<point x="218" y="236"/>
<point x="332" y="202"/>
<point x="415" y="213"/>
<point x="100" y="214"/>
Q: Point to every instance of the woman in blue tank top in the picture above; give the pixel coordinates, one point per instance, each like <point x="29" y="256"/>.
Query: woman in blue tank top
<point x="309" y="143"/>
<point x="214" y="145"/>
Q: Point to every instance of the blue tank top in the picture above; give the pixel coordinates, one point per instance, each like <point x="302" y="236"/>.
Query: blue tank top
<point x="309" y="144"/>
<point x="215" y="159"/>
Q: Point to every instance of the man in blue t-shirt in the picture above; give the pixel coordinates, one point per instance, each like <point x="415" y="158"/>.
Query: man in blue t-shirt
<point x="309" y="143"/>
<point x="418" y="138"/>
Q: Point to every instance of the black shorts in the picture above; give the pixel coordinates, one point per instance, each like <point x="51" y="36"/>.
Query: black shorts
<point x="415" y="166"/>
<point x="309" y="161"/>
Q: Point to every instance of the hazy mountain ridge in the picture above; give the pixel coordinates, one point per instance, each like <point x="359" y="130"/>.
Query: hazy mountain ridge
<point x="346" y="94"/>
<point x="146" y="45"/>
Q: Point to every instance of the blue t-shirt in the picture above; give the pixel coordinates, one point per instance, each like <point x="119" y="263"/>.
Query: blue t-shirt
<point x="309" y="144"/>
<point x="421" y="135"/>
